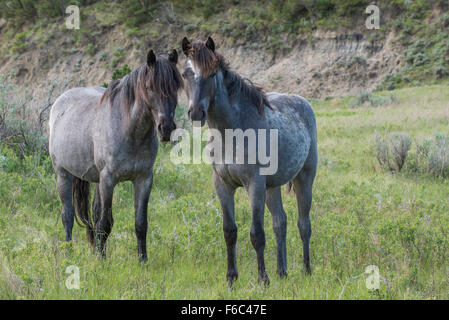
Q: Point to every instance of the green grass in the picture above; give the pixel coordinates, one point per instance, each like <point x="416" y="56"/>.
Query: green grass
<point x="361" y="216"/>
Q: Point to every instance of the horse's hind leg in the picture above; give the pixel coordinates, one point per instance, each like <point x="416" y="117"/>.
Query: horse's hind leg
<point x="226" y="196"/>
<point x="257" y="194"/>
<point x="274" y="204"/>
<point x="64" y="184"/>
<point x="96" y="204"/>
<point x="303" y="188"/>
<point x="104" y="224"/>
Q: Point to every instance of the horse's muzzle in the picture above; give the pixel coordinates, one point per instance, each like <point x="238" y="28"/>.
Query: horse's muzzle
<point x="197" y="114"/>
<point x="165" y="129"/>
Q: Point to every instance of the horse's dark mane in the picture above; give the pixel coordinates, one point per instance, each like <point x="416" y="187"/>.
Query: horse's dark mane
<point x="162" y="78"/>
<point x="245" y="87"/>
<point x="209" y="62"/>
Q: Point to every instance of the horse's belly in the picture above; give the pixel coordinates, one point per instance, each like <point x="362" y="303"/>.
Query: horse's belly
<point x="292" y="154"/>
<point x="75" y="158"/>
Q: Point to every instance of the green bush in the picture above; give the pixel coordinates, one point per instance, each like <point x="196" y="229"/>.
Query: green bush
<point x="420" y="59"/>
<point x="190" y="27"/>
<point x="21" y="126"/>
<point x="432" y="155"/>
<point x="19" y="43"/>
<point x="367" y="99"/>
<point x="121" y="72"/>
<point x="118" y="54"/>
<point x="389" y="82"/>
<point x="18" y="12"/>
<point x="441" y="72"/>
<point x="392" y="152"/>
<point x="137" y="12"/>
<point x="90" y="50"/>
<point x="414" y="50"/>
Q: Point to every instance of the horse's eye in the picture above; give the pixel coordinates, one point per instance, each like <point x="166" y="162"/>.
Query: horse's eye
<point x="183" y="75"/>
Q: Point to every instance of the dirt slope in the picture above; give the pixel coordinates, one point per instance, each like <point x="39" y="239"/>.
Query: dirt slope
<point x="326" y="64"/>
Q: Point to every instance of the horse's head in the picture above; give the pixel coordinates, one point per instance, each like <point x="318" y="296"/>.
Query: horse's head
<point x="164" y="83"/>
<point x="199" y="72"/>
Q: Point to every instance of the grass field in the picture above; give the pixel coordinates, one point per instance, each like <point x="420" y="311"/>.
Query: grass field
<point x="361" y="215"/>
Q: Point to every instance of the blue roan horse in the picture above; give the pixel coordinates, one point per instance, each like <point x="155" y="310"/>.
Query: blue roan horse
<point x="225" y="100"/>
<point x="107" y="136"/>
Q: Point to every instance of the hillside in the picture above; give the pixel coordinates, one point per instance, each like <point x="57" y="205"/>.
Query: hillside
<point x="380" y="197"/>
<point x="316" y="49"/>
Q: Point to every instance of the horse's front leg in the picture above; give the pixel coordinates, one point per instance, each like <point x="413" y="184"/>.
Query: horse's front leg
<point x="225" y="194"/>
<point x="142" y="190"/>
<point x="256" y="191"/>
<point x="104" y="225"/>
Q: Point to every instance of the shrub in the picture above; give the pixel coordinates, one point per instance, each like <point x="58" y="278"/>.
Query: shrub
<point x="367" y="99"/>
<point x="415" y="50"/>
<point x="388" y="82"/>
<point x="420" y="59"/>
<point x="120" y="72"/>
<point x="444" y="20"/>
<point x="102" y="57"/>
<point x="190" y="27"/>
<point x="118" y="54"/>
<point x="19" y="44"/>
<point x="137" y="12"/>
<point x="392" y="152"/>
<point x="357" y="60"/>
<point x="22" y="125"/>
<point x="90" y="50"/>
<point x="441" y="72"/>
<point x="432" y="155"/>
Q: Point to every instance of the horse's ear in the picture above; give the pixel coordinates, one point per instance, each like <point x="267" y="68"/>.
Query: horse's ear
<point x="210" y="44"/>
<point x="151" y="58"/>
<point x="173" y="56"/>
<point x="186" y="46"/>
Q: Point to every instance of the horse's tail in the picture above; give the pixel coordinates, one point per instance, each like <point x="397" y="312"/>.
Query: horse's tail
<point x="81" y="202"/>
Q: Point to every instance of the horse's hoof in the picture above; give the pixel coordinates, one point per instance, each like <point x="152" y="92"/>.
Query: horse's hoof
<point x="283" y="274"/>
<point x="308" y="271"/>
<point x="101" y="253"/>
<point x="265" y="280"/>
<point x="143" y="259"/>
<point x="231" y="279"/>
<point x="102" y="256"/>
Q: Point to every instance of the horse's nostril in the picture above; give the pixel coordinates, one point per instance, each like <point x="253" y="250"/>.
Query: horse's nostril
<point x="159" y="127"/>
<point x="189" y="112"/>
<point x="203" y="114"/>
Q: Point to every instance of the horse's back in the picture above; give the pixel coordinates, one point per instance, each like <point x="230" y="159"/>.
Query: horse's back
<point x="75" y="97"/>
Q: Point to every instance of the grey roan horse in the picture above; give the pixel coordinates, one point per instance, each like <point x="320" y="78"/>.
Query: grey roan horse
<point x="110" y="135"/>
<point x="228" y="101"/>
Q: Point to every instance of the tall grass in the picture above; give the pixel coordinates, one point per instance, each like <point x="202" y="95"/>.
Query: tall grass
<point x="360" y="217"/>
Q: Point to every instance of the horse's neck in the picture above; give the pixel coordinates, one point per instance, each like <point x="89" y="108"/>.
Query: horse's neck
<point x="225" y="113"/>
<point x="140" y="123"/>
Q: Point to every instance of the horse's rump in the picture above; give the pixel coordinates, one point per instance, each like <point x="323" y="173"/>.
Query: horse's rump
<point x="72" y="118"/>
